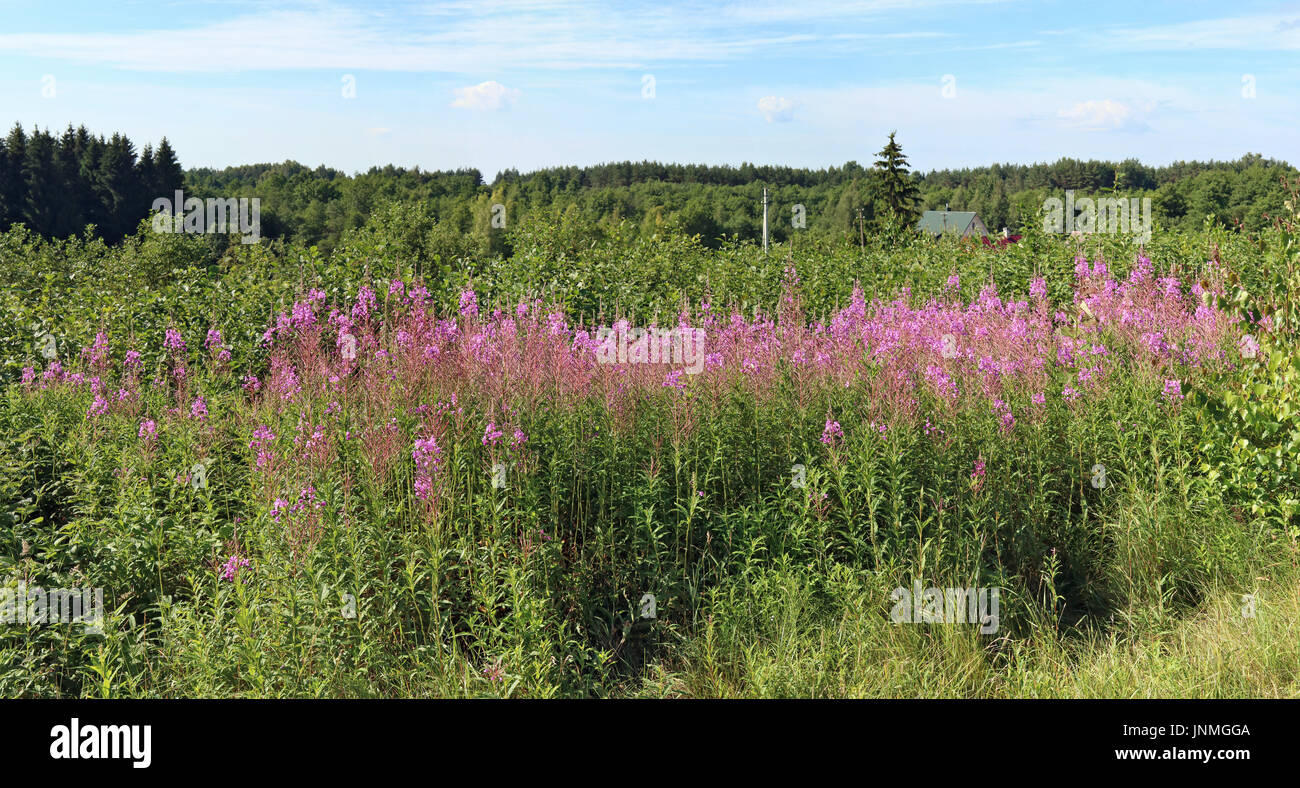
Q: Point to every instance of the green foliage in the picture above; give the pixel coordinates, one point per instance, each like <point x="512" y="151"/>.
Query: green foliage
<point x="531" y="590"/>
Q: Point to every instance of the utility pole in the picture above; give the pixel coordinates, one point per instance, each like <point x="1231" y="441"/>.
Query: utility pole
<point x="862" y="238"/>
<point x="764" y="220"/>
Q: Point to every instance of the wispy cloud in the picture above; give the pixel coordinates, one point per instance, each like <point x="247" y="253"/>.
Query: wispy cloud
<point x="460" y="37"/>
<point x="1261" y="32"/>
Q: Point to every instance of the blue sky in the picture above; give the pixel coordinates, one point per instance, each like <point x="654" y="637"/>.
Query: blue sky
<point x="534" y="83"/>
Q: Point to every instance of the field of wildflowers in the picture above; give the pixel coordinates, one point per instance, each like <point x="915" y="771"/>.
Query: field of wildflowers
<point x="390" y="486"/>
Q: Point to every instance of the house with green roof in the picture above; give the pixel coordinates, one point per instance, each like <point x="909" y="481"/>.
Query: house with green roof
<point x="963" y="223"/>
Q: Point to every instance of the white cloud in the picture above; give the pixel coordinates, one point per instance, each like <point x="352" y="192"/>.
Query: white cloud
<point x="776" y="108"/>
<point x="1107" y="115"/>
<point x="488" y="95"/>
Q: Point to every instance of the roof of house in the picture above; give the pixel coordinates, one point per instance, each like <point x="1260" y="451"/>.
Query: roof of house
<point x="939" y="222"/>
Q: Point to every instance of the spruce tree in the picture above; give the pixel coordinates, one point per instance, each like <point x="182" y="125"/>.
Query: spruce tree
<point x="897" y="190"/>
<point x="167" y="173"/>
<point x="118" y="190"/>
<point x="40" y="177"/>
<point x="13" y="186"/>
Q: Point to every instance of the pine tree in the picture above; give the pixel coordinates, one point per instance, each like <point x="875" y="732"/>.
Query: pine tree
<point x="13" y="187"/>
<point x="897" y="190"/>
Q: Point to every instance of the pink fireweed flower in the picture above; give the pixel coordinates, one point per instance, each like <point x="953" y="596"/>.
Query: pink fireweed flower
<point x="233" y="566"/>
<point x="428" y="459"/>
<point x="29" y="375"/>
<point x="262" y="438"/>
<point x="307" y="499"/>
<point x="520" y="439"/>
<point x="469" y="303"/>
<point x="491" y="434"/>
<point x="148" y="430"/>
<point x="1007" y="420"/>
<point x="427" y="454"/>
<point x="97" y="408"/>
<point x="97" y="352"/>
<point x="172" y="341"/>
<point x="1080" y="267"/>
<point x="213" y="339"/>
<point x="977" y="475"/>
<point x="251" y="384"/>
<point x="132" y="361"/>
<point x="1173" y="391"/>
<point x="1038" y="287"/>
<point x="365" y="304"/>
<point x="1154" y="341"/>
<point x="831" y="432"/>
<point x="199" y="409"/>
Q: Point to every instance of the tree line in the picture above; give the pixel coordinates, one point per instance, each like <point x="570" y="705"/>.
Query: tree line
<point x="58" y="184"/>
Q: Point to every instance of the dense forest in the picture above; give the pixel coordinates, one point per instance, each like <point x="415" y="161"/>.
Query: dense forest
<point x="56" y="185"/>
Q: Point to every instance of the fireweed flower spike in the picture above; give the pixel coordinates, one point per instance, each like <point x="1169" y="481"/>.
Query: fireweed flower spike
<point x="469" y="303"/>
<point x="233" y="566"/>
<point x="1173" y="391"/>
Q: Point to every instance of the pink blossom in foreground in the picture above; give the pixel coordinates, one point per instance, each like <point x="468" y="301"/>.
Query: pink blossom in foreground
<point x="233" y="566"/>
<point x="1173" y="391"/>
